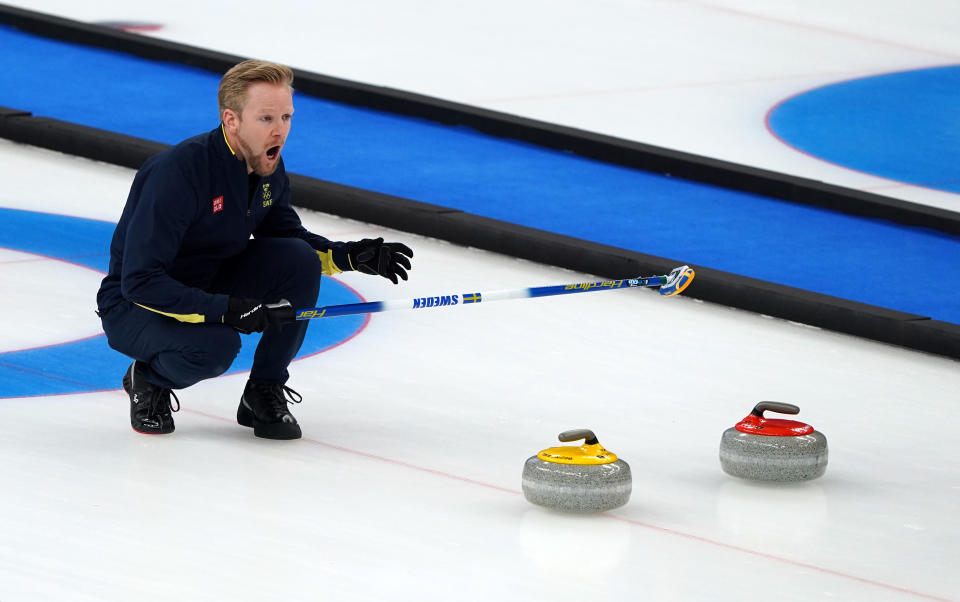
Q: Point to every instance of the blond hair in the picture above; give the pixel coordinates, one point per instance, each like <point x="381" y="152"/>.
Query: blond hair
<point x="232" y="93"/>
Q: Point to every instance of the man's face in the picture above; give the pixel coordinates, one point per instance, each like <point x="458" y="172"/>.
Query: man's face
<point x="261" y="128"/>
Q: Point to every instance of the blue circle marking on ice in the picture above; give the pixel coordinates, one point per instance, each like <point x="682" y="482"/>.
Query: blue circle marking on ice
<point x="89" y="364"/>
<point x="901" y="126"/>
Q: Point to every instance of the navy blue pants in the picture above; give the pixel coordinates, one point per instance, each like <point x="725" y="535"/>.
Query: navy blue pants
<point x="180" y="354"/>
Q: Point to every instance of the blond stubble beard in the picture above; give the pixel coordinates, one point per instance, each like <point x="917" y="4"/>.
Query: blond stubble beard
<point x="247" y="154"/>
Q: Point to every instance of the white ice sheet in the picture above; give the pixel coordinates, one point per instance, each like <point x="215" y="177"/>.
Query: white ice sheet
<point x="406" y="485"/>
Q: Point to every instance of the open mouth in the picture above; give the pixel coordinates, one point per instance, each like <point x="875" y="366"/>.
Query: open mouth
<point x="272" y="153"/>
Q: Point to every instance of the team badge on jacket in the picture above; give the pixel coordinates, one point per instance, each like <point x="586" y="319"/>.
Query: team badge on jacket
<point x="267" y="195"/>
<point x="218" y="204"/>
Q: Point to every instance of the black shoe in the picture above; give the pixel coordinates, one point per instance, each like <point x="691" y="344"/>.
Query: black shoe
<point x="150" y="406"/>
<point x="264" y="407"/>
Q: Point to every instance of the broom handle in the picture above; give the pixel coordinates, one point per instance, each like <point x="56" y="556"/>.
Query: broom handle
<point x="671" y="284"/>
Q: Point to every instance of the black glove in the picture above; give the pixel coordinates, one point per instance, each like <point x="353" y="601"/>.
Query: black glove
<point x="253" y="315"/>
<point x="373" y="256"/>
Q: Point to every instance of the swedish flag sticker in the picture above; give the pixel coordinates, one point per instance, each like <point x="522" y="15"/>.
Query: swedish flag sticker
<point x="473" y="298"/>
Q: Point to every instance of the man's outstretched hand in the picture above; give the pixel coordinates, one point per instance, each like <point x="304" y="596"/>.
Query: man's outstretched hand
<point x="373" y="256"/>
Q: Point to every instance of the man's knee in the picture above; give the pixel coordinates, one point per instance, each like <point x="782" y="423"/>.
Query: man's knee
<point x="208" y="355"/>
<point x="218" y="351"/>
<point x="302" y="272"/>
<point x="305" y="258"/>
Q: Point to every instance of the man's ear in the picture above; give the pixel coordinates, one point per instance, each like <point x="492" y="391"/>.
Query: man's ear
<point x="231" y="120"/>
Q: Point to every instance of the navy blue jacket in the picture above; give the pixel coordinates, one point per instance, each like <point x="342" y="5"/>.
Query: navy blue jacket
<point x="189" y="210"/>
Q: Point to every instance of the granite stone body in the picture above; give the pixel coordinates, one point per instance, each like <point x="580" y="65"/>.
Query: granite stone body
<point x="577" y="487"/>
<point x="773" y="458"/>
